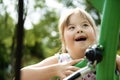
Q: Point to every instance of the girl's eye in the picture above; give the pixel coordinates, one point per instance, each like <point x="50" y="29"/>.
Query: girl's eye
<point x="71" y="27"/>
<point x="85" y="25"/>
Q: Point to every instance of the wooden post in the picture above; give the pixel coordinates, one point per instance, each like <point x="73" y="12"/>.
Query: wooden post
<point x="19" y="40"/>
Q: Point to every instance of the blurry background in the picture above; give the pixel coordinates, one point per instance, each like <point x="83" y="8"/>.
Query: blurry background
<point x="41" y="38"/>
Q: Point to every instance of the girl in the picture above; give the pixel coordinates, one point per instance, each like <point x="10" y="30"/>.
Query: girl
<point x="77" y="32"/>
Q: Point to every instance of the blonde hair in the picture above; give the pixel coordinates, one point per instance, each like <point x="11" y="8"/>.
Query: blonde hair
<point x="64" y="20"/>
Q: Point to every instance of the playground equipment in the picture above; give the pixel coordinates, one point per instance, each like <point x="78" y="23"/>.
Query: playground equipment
<point x="109" y="36"/>
<point x="93" y="56"/>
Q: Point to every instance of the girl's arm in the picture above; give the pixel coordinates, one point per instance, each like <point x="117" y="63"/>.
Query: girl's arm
<point x="41" y="71"/>
<point x="118" y="62"/>
<point x="47" y="69"/>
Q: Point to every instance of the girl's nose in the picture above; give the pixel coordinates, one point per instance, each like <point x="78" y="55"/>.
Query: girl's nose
<point x="79" y="30"/>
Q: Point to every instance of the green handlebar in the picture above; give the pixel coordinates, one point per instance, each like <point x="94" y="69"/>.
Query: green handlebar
<point x="82" y="63"/>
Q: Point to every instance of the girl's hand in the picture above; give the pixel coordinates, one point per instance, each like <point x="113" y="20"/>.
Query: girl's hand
<point x="118" y="62"/>
<point x="65" y="69"/>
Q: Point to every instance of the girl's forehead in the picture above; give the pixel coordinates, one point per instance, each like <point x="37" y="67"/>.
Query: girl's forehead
<point x="77" y="17"/>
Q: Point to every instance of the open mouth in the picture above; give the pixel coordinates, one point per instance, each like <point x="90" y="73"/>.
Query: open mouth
<point x="81" y="39"/>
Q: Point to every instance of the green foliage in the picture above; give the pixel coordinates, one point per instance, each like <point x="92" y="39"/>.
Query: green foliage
<point x="6" y="33"/>
<point x="4" y="60"/>
<point x="1" y="1"/>
<point x="68" y="3"/>
<point x="41" y="41"/>
<point x="43" y="31"/>
<point x="39" y="3"/>
<point x="6" y="27"/>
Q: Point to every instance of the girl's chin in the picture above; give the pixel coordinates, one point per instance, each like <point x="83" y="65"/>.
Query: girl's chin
<point x="82" y="46"/>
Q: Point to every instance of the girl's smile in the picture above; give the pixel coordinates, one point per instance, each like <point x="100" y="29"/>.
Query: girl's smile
<point x="80" y="38"/>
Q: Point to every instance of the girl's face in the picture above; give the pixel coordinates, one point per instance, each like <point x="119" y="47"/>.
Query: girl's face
<point x="78" y="35"/>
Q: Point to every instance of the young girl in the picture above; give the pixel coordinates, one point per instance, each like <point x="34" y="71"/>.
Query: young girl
<point x="77" y="32"/>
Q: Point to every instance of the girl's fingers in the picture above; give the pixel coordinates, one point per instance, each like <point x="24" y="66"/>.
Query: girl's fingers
<point x="69" y="69"/>
<point x="118" y="62"/>
<point x="73" y="68"/>
<point x="68" y="72"/>
<point x="63" y="76"/>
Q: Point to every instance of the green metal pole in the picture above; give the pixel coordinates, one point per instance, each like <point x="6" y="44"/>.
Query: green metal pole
<point x="109" y="39"/>
<point x="97" y="4"/>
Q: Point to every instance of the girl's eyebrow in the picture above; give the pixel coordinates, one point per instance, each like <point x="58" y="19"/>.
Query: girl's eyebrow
<point x="70" y="24"/>
<point x="85" y="21"/>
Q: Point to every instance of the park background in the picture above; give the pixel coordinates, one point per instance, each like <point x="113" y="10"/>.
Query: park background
<point x="41" y="37"/>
